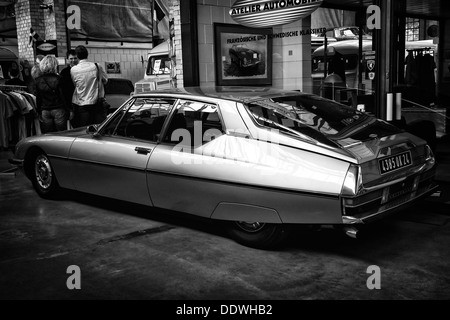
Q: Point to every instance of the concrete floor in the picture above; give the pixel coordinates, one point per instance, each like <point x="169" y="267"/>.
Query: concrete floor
<point x="132" y="252"/>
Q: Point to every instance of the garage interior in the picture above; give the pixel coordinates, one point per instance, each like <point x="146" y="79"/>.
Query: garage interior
<point x="128" y="252"/>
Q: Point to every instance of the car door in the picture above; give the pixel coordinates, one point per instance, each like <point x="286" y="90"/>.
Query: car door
<point x="113" y="161"/>
<point x="178" y="174"/>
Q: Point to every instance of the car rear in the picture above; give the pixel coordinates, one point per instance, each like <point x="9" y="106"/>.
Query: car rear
<point x="391" y="168"/>
<point x="402" y="172"/>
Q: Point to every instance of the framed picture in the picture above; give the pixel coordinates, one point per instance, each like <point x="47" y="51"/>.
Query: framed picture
<point x="112" y="67"/>
<point x="243" y="55"/>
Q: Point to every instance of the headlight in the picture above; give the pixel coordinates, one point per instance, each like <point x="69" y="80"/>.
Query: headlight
<point x="352" y="182"/>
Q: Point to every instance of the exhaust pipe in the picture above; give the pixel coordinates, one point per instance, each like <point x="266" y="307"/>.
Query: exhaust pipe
<point x="351" y="232"/>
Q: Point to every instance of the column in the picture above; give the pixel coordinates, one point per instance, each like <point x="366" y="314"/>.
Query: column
<point x="48" y="23"/>
<point x="385" y="60"/>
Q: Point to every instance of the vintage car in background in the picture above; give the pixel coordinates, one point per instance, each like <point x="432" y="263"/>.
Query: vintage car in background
<point x="117" y="91"/>
<point x="244" y="57"/>
<point x="257" y="159"/>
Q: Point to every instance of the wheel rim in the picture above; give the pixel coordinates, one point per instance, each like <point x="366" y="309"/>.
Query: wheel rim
<point x="251" y="227"/>
<point x="43" y="172"/>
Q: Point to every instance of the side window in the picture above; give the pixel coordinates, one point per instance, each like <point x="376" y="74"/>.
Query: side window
<point x="159" y="65"/>
<point x="143" y="120"/>
<point x="194" y="123"/>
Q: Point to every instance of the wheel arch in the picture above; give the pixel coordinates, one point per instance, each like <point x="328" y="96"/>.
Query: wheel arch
<point x="244" y="212"/>
<point x="31" y="153"/>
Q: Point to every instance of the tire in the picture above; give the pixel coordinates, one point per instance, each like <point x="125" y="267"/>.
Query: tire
<point x="257" y="235"/>
<point x="43" y="177"/>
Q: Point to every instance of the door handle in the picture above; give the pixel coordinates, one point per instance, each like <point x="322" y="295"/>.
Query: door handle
<point x="141" y="150"/>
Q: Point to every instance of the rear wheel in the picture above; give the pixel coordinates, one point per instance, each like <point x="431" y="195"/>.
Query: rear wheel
<point x="43" y="177"/>
<point x="257" y="235"/>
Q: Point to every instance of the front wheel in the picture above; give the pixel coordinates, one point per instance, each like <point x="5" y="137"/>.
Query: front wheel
<point x="43" y="178"/>
<point x="257" y="235"/>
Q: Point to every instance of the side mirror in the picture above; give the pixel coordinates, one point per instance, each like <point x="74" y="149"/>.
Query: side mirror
<point x="92" y="130"/>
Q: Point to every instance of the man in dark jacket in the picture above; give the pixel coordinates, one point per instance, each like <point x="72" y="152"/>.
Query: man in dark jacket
<point x="66" y="80"/>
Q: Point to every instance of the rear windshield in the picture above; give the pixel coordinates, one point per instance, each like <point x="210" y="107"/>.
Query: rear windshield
<point x="308" y="115"/>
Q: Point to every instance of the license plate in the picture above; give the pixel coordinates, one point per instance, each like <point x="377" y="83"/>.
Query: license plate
<point x="395" y="163"/>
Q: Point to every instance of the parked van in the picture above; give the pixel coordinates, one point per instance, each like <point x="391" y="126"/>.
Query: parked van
<point x="157" y="73"/>
<point x="350" y="50"/>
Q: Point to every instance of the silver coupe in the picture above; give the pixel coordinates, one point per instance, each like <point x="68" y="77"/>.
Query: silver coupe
<point x="257" y="159"/>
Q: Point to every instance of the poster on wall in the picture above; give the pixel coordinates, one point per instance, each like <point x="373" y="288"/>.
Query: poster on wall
<point x="112" y="67"/>
<point x="243" y="55"/>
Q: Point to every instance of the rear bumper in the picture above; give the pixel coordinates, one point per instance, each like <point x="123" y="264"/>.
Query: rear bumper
<point x="382" y="202"/>
<point x="389" y="208"/>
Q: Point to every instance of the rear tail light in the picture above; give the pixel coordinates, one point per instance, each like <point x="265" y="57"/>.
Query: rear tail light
<point x="353" y="181"/>
<point x="429" y="154"/>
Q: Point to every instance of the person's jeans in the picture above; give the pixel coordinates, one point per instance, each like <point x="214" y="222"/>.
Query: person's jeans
<point x="88" y="115"/>
<point x="54" y="120"/>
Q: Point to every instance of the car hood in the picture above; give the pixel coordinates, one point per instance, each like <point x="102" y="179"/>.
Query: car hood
<point x="75" y="133"/>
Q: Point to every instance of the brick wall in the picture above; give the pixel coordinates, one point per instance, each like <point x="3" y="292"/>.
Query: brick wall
<point x="27" y="15"/>
<point x="209" y="12"/>
<point x="175" y="14"/>
<point x="60" y="27"/>
<point x="49" y="24"/>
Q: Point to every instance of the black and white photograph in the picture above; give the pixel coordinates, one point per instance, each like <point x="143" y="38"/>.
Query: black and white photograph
<point x="112" y="67"/>
<point x="222" y="159"/>
<point x="245" y="55"/>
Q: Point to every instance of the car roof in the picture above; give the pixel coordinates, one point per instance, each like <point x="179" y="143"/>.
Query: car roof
<point x="238" y="94"/>
<point x="345" y="47"/>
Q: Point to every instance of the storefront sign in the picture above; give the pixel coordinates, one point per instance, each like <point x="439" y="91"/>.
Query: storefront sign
<point x="260" y="13"/>
<point x="47" y="47"/>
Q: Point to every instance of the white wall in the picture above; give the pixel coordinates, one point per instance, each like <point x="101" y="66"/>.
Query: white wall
<point x="290" y="71"/>
<point x="129" y="55"/>
<point x="210" y="12"/>
<point x="292" y="58"/>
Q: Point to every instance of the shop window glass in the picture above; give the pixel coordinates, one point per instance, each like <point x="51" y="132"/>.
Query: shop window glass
<point x="412" y="29"/>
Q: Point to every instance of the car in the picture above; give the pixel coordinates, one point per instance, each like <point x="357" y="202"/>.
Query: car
<point x="117" y="91"/>
<point x="244" y="57"/>
<point x="257" y="160"/>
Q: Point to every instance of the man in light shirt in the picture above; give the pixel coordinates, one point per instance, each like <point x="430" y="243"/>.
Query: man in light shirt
<point x="88" y="90"/>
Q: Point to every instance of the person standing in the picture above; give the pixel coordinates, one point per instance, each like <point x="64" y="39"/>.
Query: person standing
<point x="66" y="79"/>
<point x="51" y="105"/>
<point x="88" y="89"/>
